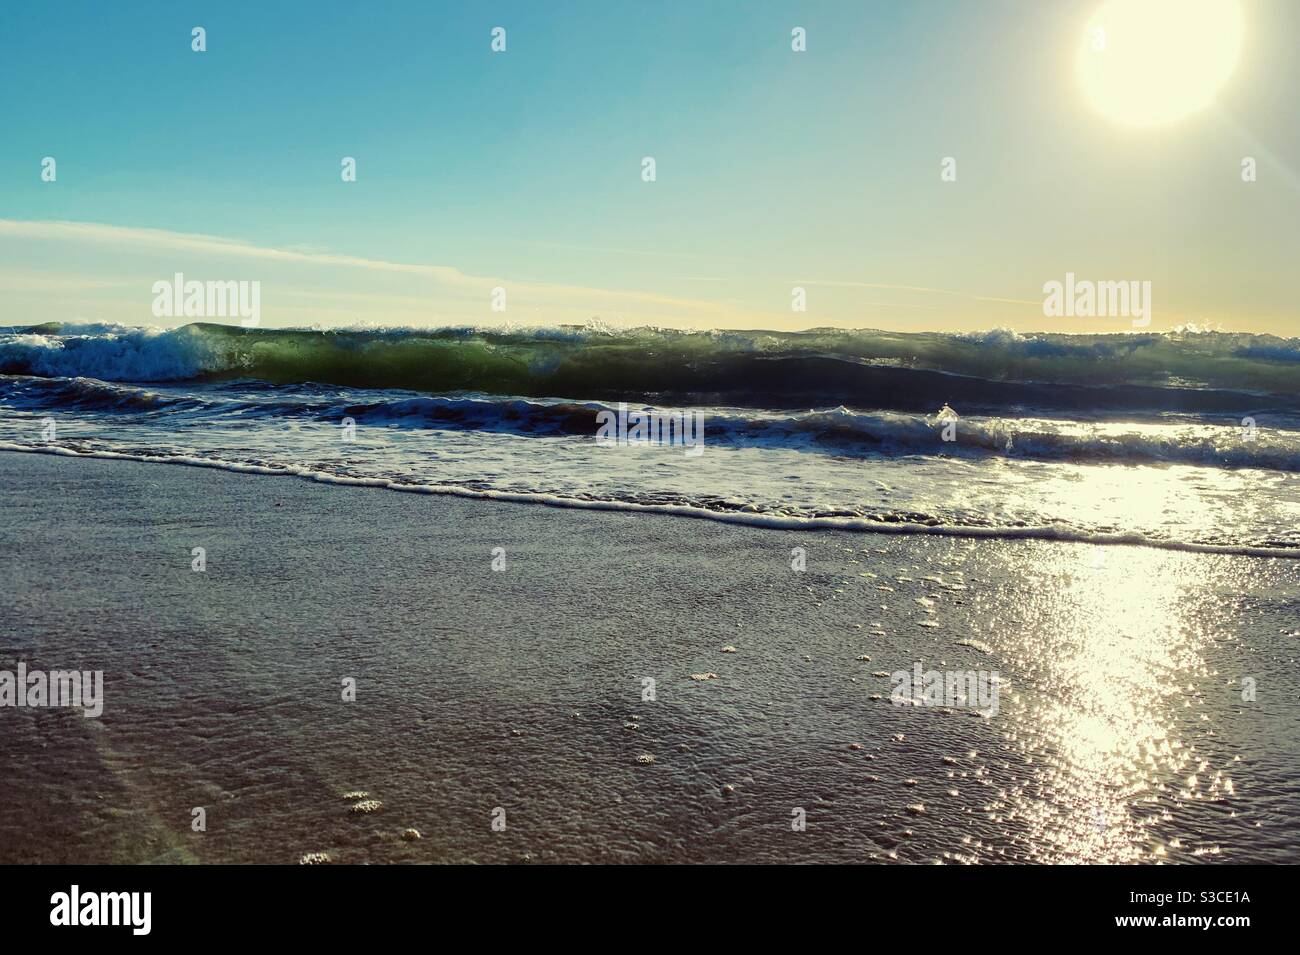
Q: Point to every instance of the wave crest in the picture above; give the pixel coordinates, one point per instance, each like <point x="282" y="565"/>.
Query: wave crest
<point x="1205" y="372"/>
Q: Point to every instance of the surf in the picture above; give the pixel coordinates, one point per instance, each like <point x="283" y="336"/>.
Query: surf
<point x="786" y="522"/>
<point x="1269" y="441"/>
<point x="1209" y="372"/>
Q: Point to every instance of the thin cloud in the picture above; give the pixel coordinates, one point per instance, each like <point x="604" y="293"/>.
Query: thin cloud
<point x="217" y="245"/>
<point x="1037" y="303"/>
<point x="45" y="282"/>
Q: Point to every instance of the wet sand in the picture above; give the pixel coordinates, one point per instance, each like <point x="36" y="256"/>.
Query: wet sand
<point x="1121" y="733"/>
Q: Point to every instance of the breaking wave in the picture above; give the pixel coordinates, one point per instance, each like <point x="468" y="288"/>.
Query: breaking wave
<point x="1214" y="372"/>
<point x="839" y="430"/>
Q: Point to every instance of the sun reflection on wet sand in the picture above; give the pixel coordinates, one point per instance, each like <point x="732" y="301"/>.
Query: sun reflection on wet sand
<point x="1112" y="670"/>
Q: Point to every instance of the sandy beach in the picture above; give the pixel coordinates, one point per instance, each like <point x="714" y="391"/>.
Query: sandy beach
<point x="518" y="696"/>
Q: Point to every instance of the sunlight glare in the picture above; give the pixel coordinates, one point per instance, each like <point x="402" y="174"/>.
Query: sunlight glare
<point x="1147" y="62"/>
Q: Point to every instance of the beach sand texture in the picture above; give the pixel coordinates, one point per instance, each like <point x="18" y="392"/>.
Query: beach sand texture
<point x="1121" y="733"/>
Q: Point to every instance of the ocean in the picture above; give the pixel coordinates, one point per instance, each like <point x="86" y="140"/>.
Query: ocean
<point x="954" y="598"/>
<point x="1186" y="441"/>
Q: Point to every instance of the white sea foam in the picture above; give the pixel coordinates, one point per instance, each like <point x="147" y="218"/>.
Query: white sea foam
<point x="116" y="353"/>
<point x="773" y="521"/>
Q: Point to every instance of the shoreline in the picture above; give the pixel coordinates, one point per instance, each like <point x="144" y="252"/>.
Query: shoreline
<point x="738" y="518"/>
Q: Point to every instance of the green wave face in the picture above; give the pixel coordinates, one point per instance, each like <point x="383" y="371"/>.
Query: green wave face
<point x="757" y="364"/>
<point x="652" y="360"/>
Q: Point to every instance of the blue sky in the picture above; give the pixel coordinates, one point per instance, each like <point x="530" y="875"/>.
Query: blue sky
<point x="522" y="169"/>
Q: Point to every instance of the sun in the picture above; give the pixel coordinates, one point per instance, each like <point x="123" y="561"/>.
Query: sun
<point x="1149" y="62"/>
